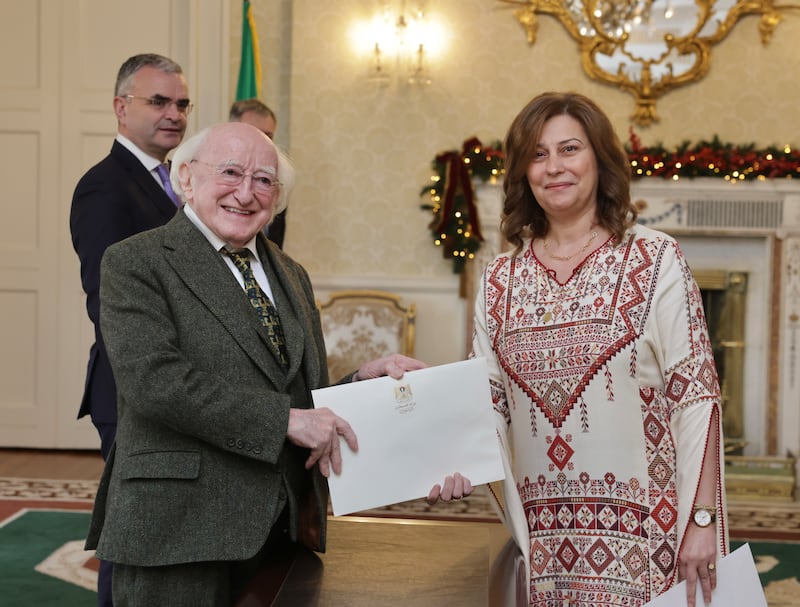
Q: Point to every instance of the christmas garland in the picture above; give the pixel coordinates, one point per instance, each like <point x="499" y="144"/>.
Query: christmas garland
<point x="713" y="159"/>
<point x="456" y="228"/>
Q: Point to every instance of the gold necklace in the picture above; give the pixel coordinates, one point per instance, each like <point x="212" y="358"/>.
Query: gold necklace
<point x="592" y="236"/>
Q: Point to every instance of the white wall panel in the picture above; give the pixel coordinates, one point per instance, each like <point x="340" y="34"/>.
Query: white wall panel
<point x="109" y="35"/>
<point x="18" y="348"/>
<point x="58" y="64"/>
<point x="19" y="45"/>
<point x="20" y="203"/>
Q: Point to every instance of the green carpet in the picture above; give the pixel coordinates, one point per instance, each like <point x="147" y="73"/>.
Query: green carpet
<point x="787" y="555"/>
<point x="778" y="565"/>
<point x="27" y="541"/>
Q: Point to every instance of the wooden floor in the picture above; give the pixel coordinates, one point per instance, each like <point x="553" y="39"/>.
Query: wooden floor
<point x="51" y="463"/>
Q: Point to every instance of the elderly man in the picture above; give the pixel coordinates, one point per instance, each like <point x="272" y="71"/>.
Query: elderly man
<point x="256" y="112"/>
<point x="215" y="343"/>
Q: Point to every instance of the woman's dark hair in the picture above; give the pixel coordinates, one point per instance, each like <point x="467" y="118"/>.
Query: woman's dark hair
<point x="522" y="215"/>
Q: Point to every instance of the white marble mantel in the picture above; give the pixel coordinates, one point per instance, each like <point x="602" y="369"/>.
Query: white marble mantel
<point x="751" y="227"/>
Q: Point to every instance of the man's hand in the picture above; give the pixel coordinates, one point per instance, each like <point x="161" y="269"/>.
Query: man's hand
<point x="319" y="430"/>
<point x="455" y="487"/>
<point x="394" y="366"/>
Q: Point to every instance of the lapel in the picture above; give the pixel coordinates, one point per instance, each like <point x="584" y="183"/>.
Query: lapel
<point x="210" y="280"/>
<point x="147" y="188"/>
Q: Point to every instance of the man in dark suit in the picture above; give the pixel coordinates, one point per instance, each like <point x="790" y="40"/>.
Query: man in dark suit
<point x="120" y="196"/>
<point x="257" y="113"/>
<point x="123" y="195"/>
<point x="220" y="457"/>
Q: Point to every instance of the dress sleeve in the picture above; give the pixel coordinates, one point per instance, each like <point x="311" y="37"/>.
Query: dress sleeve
<point x="487" y="337"/>
<point x="485" y="340"/>
<point x="690" y="383"/>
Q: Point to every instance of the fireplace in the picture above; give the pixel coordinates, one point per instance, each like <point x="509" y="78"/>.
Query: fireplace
<point x="742" y="242"/>
<point x="724" y="297"/>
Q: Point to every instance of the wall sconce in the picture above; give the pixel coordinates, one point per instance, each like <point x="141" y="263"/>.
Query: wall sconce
<point x="399" y="41"/>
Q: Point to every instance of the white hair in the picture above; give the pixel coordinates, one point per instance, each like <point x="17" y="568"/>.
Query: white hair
<point x="188" y="150"/>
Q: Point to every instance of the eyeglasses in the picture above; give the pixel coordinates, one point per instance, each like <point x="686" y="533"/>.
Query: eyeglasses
<point x="184" y="106"/>
<point x="232" y="175"/>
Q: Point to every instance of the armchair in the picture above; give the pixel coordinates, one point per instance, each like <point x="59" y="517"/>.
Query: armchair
<point x="361" y="325"/>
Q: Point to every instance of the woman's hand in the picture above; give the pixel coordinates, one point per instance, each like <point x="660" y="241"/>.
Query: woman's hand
<point x="697" y="562"/>
<point x="455" y="487"/>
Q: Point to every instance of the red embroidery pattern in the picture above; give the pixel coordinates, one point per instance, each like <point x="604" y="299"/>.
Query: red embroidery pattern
<point x="595" y="540"/>
<point x="593" y="317"/>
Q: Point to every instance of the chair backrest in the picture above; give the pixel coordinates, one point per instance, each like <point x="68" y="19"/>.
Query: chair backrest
<point x="360" y="326"/>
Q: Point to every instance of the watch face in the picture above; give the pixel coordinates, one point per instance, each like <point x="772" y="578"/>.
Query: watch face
<point x="702" y="518"/>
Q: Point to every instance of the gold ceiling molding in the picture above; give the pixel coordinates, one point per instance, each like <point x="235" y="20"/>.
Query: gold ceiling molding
<point x="649" y="47"/>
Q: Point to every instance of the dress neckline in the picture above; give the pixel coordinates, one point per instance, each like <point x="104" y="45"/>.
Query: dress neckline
<point x="552" y="273"/>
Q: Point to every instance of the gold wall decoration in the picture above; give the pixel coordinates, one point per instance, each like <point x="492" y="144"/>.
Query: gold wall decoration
<point x="649" y="47"/>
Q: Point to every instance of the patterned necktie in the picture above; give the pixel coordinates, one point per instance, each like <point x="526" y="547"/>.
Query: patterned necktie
<point x="266" y="311"/>
<point x="163" y="173"/>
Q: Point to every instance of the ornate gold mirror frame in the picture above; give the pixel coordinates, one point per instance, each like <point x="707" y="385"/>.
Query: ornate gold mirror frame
<point x="649" y="47"/>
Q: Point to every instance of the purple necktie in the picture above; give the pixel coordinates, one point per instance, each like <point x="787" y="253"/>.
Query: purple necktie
<point x="163" y="173"/>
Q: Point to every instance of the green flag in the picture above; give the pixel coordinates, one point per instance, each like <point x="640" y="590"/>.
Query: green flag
<point x="249" y="85"/>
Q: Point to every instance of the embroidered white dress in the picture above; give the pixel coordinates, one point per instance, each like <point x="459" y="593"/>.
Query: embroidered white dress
<point x="604" y="388"/>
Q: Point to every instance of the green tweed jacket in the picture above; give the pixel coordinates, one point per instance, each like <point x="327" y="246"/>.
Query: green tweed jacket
<point x="198" y="468"/>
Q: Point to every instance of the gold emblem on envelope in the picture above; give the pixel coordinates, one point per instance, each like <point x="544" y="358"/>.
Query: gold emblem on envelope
<point x="402" y="394"/>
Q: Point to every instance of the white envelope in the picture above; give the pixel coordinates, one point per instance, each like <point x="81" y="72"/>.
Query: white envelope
<point x="412" y="433"/>
<point x="737" y="584"/>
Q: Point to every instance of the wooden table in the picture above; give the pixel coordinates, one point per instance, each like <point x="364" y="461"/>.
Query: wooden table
<point x="383" y="562"/>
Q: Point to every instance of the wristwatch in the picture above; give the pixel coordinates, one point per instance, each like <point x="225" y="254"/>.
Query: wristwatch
<point x="703" y="516"/>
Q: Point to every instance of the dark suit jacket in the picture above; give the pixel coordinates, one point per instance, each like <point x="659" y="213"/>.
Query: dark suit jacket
<point x="198" y="468"/>
<point x="115" y="199"/>
<point x="277" y="229"/>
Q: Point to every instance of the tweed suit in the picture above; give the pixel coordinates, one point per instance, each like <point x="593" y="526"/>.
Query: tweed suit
<point x="201" y="465"/>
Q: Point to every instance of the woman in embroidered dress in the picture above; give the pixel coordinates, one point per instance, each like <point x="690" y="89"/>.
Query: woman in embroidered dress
<point x="601" y="373"/>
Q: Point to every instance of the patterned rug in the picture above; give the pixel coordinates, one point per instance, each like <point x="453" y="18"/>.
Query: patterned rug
<point x="41" y="492"/>
<point x="746" y="520"/>
<point x="61" y="565"/>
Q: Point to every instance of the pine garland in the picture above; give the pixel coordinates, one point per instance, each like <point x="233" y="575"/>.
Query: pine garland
<point x="713" y="159"/>
<point x="456" y="227"/>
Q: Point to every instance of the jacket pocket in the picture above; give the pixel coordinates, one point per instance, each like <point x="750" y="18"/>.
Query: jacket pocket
<point x="160" y="464"/>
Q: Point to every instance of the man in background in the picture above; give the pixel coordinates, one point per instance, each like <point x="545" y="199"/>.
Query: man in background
<point x="120" y="196"/>
<point x="253" y="111"/>
<point x="256" y="113"/>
